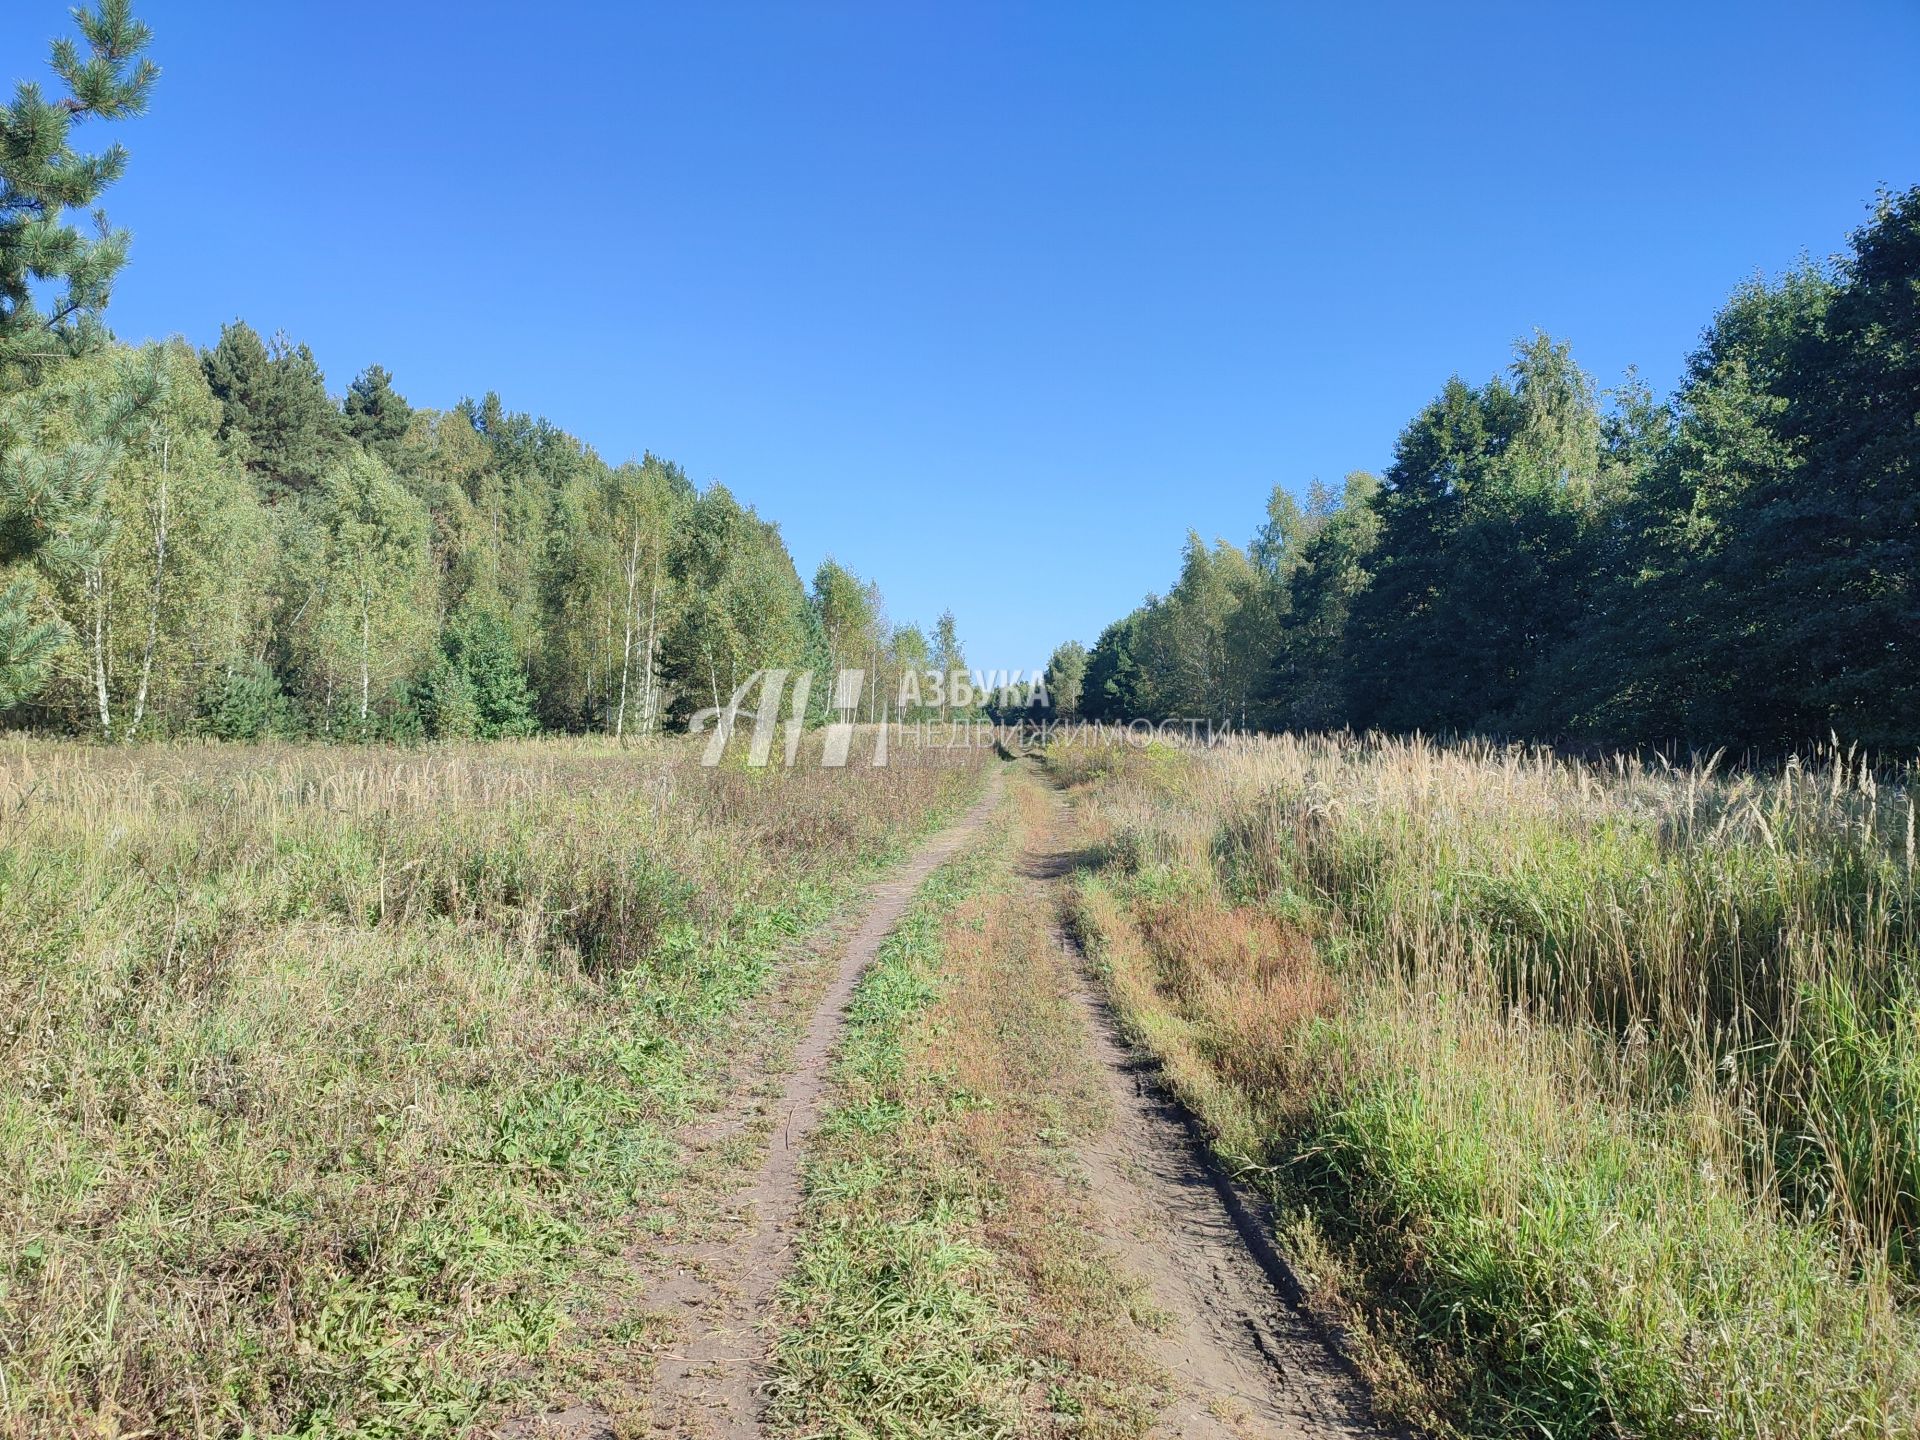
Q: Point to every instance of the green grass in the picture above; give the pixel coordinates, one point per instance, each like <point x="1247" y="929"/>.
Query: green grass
<point x="950" y="1280"/>
<point x="1753" y="934"/>
<point x="900" y="1320"/>
<point x="335" y="1082"/>
<point x="1570" y="1266"/>
<point x="1593" y="1113"/>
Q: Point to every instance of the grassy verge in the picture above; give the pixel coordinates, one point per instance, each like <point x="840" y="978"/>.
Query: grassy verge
<point x="947" y="1285"/>
<point x="1537" y="1223"/>
<point x="335" y="1080"/>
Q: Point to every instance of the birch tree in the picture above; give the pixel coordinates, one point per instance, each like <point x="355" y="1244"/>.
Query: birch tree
<point x="374" y="617"/>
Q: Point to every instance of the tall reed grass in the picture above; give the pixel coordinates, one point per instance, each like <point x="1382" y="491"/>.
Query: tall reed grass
<point x="1604" y="1079"/>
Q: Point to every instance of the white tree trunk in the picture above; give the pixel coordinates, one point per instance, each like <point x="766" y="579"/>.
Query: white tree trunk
<point x="650" y="696"/>
<point x="96" y="584"/>
<point x="626" y="644"/>
<point x="159" y="513"/>
<point x="366" y="651"/>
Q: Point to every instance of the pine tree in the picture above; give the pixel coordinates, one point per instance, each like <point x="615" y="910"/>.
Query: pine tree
<point x="479" y="647"/>
<point x="377" y="415"/>
<point x="1309" y="679"/>
<point x="243" y="703"/>
<point x="27" y="645"/>
<point x="1112" y="687"/>
<point x="1482" y="570"/>
<point x="41" y="178"/>
<point x="446" y="702"/>
<point x="276" y="415"/>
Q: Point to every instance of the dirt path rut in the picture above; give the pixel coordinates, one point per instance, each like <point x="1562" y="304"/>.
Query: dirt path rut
<point x="1245" y="1357"/>
<point x="1247" y="1360"/>
<point x="723" y="1289"/>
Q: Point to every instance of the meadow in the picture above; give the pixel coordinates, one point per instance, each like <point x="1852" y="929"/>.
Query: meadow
<point x="335" y="1080"/>
<point x="1588" y="1093"/>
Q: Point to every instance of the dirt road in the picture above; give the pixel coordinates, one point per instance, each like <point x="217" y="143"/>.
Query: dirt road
<point x="1244" y="1359"/>
<point x="710" y="1388"/>
<point x="715" y="1288"/>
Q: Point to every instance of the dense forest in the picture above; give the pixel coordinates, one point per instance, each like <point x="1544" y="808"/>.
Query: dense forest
<point x="212" y="543"/>
<point x="1736" y="565"/>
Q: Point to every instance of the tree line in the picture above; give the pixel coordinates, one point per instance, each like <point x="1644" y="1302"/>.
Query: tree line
<point x="212" y="543"/>
<point x="1733" y="565"/>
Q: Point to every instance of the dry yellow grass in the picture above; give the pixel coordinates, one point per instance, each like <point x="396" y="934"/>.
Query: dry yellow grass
<point x="1599" y="1098"/>
<point x="332" y="1076"/>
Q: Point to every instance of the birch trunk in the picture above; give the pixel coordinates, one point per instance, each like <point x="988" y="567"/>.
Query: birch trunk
<point x="153" y="600"/>
<point x="97" y="592"/>
<point x="653" y="616"/>
<point x="366" y="651"/>
<point x="626" y="644"/>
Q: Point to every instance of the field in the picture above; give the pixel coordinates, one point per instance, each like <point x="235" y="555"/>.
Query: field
<point x="336" y="1080"/>
<point x="508" y="1090"/>
<point x="502" y="941"/>
<point x="1589" y="1094"/>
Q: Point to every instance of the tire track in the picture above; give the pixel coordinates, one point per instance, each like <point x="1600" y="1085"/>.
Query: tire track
<point x="1246" y="1357"/>
<point x="718" y="1293"/>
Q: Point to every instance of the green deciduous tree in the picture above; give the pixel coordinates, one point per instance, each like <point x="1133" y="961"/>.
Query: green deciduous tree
<point x="1066" y="678"/>
<point x="1184" y="642"/>
<point x="741" y="605"/>
<point x="853" y="629"/>
<point x="366" y="618"/>
<point x="949" y="656"/>
<point x="912" y="655"/>
<point x="165" y="578"/>
<point x="185" y="573"/>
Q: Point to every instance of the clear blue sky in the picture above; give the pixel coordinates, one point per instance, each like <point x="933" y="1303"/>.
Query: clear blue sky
<point x="991" y="300"/>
